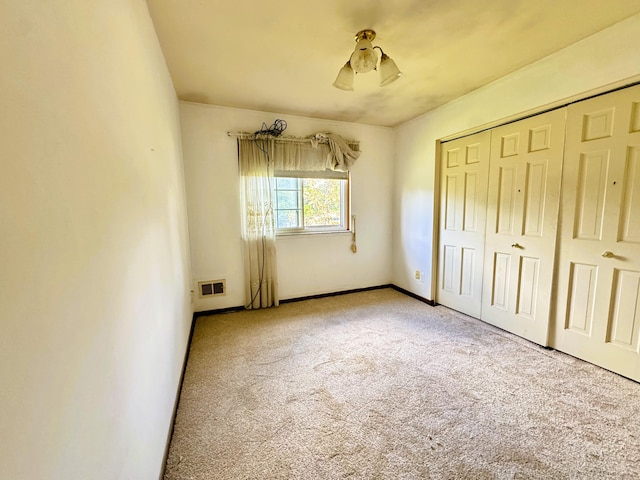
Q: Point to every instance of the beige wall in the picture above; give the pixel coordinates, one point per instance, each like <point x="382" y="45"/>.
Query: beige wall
<point x="94" y="270"/>
<point x="604" y="58"/>
<point x="307" y="264"/>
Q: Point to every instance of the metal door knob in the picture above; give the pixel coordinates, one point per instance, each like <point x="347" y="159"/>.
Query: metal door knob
<point x="608" y="254"/>
<point x="516" y="245"/>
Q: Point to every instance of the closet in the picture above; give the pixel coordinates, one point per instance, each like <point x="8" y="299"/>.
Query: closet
<point x="540" y="229"/>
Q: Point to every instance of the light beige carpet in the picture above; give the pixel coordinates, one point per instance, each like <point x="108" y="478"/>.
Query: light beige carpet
<point x="377" y="385"/>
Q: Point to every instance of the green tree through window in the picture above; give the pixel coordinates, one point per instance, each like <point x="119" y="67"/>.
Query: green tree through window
<point x="304" y="204"/>
<point x="321" y="198"/>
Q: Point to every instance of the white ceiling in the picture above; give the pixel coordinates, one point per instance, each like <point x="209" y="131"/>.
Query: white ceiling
<point x="283" y="56"/>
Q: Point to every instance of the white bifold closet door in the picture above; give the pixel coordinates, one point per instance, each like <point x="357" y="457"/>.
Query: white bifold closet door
<point x="525" y="171"/>
<point x="463" y="205"/>
<point x="598" y="309"/>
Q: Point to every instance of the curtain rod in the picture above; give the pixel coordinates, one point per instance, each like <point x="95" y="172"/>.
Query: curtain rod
<point x="258" y="135"/>
<point x="284" y="139"/>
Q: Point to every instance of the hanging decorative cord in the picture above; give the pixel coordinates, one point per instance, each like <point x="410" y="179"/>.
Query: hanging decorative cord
<point x="274" y="130"/>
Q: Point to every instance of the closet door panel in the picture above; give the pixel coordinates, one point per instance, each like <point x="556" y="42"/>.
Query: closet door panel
<point x="522" y="209"/>
<point x="582" y="284"/>
<point x="629" y="213"/>
<point x="463" y="205"/>
<point x="593" y="169"/>
<point x="534" y="207"/>
<point x="506" y="201"/>
<point x="598" y="306"/>
<point x="527" y="287"/>
<point x="501" y="279"/>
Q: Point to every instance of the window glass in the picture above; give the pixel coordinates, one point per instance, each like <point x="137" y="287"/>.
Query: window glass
<point x="322" y="202"/>
<point x="305" y="205"/>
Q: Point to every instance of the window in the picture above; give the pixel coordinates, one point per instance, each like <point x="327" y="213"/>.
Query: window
<point x="309" y="202"/>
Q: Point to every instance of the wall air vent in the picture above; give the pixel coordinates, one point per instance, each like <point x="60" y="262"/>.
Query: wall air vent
<point x="212" y="288"/>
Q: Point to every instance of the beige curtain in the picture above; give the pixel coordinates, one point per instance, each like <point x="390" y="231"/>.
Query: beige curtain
<point x="258" y="227"/>
<point x="258" y="158"/>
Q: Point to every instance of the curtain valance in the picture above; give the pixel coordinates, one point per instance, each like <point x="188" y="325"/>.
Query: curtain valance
<point x="323" y="151"/>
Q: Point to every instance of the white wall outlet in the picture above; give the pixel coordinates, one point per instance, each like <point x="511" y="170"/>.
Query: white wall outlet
<point x="421" y="277"/>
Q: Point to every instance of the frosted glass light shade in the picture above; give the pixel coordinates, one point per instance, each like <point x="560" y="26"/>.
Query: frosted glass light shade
<point x="344" y="80"/>
<point x="364" y="58"/>
<point x="389" y="72"/>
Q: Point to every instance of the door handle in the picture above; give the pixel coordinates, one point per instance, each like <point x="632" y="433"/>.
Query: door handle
<point x="608" y="254"/>
<point x="516" y="245"/>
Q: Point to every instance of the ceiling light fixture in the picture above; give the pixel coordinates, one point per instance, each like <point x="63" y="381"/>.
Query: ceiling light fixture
<point x="363" y="60"/>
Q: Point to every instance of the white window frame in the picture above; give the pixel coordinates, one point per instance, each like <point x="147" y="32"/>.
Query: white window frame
<point x="345" y="207"/>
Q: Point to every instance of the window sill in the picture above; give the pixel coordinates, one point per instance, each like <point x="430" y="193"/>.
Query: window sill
<point x="305" y="233"/>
